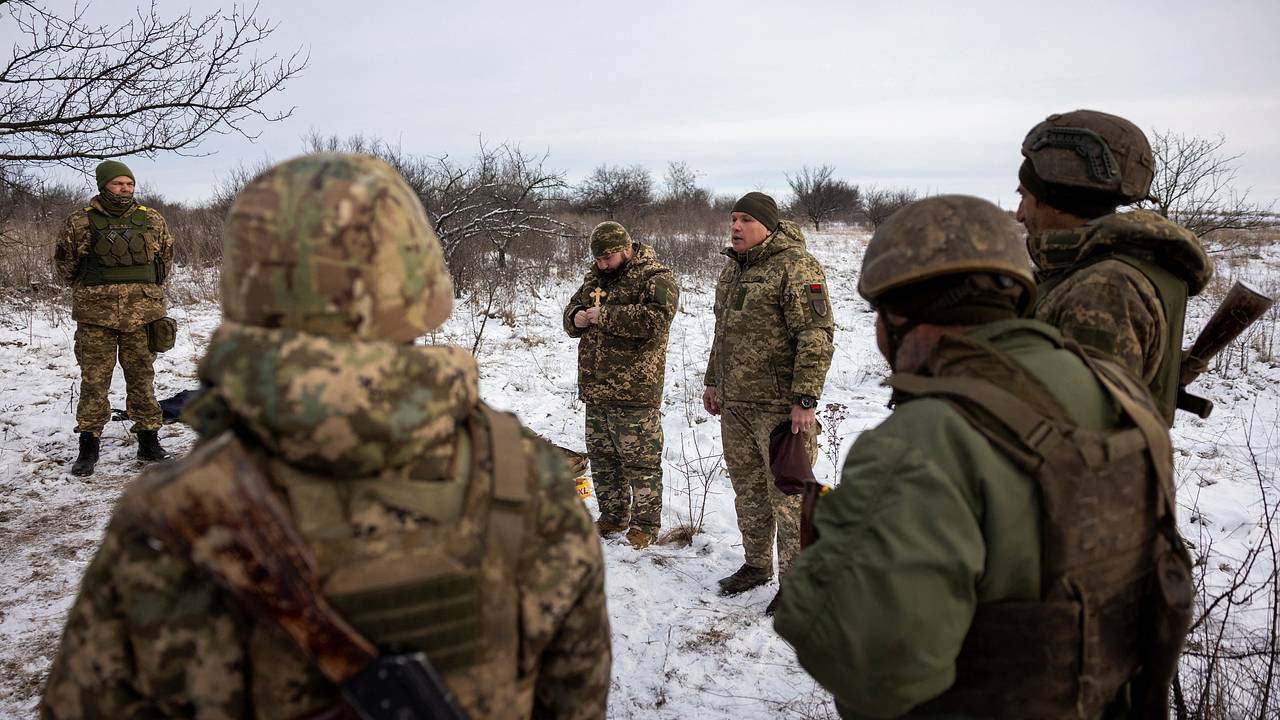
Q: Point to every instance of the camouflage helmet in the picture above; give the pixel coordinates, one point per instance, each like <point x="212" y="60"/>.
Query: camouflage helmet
<point x="1092" y="151"/>
<point x="945" y="235"/>
<point x="334" y="245"/>
<point x="609" y="237"/>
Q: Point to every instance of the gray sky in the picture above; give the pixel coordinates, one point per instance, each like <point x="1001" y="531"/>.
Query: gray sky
<point x="931" y="95"/>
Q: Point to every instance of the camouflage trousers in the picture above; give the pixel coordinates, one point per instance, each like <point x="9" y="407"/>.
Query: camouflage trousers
<point x="624" y="445"/>
<point x="97" y="348"/>
<point x="763" y="511"/>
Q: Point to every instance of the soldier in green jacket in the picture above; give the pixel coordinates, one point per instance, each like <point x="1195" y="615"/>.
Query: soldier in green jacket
<point x="1115" y="282"/>
<point x="430" y="522"/>
<point x="769" y="360"/>
<point x="621" y="315"/>
<point x="1020" y="494"/>
<point x="115" y="254"/>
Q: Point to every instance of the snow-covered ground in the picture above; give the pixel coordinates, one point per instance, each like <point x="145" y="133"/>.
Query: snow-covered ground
<point x="680" y="650"/>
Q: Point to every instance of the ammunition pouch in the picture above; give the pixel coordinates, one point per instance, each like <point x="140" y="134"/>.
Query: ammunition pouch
<point x="162" y="334"/>
<point x="119" y="251"/>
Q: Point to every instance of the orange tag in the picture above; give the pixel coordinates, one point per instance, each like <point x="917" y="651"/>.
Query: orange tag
<point x="584" y="488"/>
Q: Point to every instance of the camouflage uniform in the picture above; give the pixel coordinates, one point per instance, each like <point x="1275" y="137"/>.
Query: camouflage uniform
<point x="773" y="343"/>
<point x="1115" y="282"/>
<point x="621" y="366"/>
<point x="366" y="439"/>
<point x="112" y="316"/>
<point x="1120" y="285"/>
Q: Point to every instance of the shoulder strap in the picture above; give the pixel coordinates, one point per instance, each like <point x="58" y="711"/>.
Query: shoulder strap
<point x="502" y="455"/>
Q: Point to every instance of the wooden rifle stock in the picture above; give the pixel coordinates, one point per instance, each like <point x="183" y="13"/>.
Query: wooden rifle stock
<point x="1239" y="309"/>
<point x="221" y="514"/>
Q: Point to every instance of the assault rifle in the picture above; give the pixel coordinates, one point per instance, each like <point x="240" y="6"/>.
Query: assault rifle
<point x="222" y="516"/>
<point x="1239" y="309"/>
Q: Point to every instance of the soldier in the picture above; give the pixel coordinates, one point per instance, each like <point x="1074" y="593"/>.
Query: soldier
<point x="768" y="362"/>
<point x="622" y="314"/>
<point x="1115" y="282"/>
<point x="1004" y="544"/>
<point x="115" y="254"/>
<point x="389" y="467"/>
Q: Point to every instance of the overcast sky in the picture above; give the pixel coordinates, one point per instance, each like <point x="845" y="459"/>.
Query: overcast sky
<point x="932" y="95"/>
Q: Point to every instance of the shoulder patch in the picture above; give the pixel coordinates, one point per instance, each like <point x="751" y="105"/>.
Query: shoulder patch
<point x="818" y="299"/>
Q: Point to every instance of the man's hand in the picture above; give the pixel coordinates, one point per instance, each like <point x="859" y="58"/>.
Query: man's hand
<point x="709" y="400"/>
<point x="580" y="319"/>
<point x="592" y="315"/>
<point x="803" y="420"/>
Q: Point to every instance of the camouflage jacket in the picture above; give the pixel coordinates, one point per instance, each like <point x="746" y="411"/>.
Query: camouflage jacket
<point x="384" y="477"/>
<point x="1101" y="284"/>
<point x="774" y="325"/>
<point x="126" y="306"/>
<point x="623" y="360"/>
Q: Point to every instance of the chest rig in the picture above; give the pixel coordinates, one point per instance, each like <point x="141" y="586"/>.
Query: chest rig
<point x="120" y="250"/>
<point x="1115" y="576"/>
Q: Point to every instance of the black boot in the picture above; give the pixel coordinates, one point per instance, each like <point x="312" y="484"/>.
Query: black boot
<point x="149" y="446"/>
<point x="747" y="577"/>
<point x="88" y="456"/>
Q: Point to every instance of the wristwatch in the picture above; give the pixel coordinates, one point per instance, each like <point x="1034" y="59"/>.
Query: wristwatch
<point x="808" y="402"/>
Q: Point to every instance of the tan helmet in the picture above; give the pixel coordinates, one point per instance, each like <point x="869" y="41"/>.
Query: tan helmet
<point x="1092" y="151"/>
<point x="945" y="235"/>
<point x="334" y="245"/>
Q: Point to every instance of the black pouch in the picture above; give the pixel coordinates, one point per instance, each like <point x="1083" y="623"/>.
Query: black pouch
<point x="162" y="333"/>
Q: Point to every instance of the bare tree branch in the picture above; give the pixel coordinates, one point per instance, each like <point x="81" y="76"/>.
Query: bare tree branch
<point x="72" y="92"/>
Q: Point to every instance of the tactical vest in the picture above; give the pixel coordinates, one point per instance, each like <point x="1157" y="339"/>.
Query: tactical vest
<point x="1173" y="298"/>
<point x="1115" y="577"/>
<point x="447" y="586"/>
<point x="119" y="251"/>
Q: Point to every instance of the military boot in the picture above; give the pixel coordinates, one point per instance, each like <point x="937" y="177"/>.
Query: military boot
<point x="605" y="528"/>
<point x="772" y="607"/>
<point x="149" y="446"/>
<point x="640" y="539"/>
<point x="88" y="456"/>
<point x="747" y="577"/>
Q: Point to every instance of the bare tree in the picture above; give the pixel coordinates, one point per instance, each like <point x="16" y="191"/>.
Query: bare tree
<point x="1193" y="185"/>
<point x="617" y="192"/>
<point x="880" y="203"/>
<point x="73" y="91"/>
<point x="820" y="197"/>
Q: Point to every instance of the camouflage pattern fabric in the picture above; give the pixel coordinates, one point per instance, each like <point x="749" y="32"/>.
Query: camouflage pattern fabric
<point x="609" y="237"/>
<point x="1093" y="296"/>
<point x="763" y="511"/>
<point x="622" y="361"/>
<point x="383" y="278"/>
<point x="625" y="448"/>
<point x="149" y="636"/>
<point x="774" y="324"/>
<point x="330" y="271"/>
<point x="125" y="306"/>
<point x="96" y="350"/>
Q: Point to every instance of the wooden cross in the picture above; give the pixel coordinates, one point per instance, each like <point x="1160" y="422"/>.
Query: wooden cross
<point x="597" y="294"/>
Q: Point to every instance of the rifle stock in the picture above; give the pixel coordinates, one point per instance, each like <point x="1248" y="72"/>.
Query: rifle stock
<point x="222" y="515"/>
<point x="1241" y="308"/>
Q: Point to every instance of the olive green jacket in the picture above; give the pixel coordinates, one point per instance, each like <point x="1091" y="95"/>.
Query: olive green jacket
<point x="623" y="360"/>
<point x="928" y="521"/>
<point x="774" y="324"/>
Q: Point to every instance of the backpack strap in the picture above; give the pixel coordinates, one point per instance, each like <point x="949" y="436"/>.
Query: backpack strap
<point x="503" y="456"/>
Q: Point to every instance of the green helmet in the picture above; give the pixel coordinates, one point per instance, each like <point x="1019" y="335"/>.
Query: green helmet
<point x="945" y="235"/>
<point x="334" y="245"/>
<point x="1092" y="151"/>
